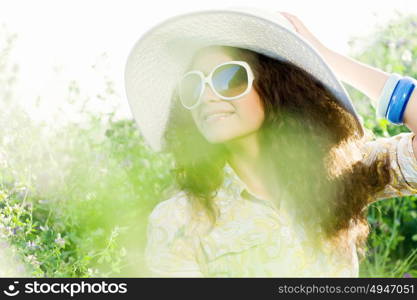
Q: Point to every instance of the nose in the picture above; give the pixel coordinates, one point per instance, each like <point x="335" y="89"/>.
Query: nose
<point x="209" y="95"/>
<point x="207" y="98"/>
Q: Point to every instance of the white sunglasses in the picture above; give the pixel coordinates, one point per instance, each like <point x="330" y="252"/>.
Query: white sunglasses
<point x="229" y="81"/>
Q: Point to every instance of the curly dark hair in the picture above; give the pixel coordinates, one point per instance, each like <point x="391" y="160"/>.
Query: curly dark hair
<point x="312" y="143"/>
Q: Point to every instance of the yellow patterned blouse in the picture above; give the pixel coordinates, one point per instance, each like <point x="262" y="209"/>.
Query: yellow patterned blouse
<point x="253" y="238"/>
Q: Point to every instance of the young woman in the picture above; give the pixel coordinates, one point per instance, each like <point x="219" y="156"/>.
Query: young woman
<point x="273" y="178"/>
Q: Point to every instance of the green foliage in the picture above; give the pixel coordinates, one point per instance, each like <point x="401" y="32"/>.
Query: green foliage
<point x="90" y="202"/>
<point x="74" y="199"/>
<point x="393" y="241"/>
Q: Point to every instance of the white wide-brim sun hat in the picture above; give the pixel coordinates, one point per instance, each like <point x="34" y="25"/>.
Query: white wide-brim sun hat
<point x="162" y="54"/>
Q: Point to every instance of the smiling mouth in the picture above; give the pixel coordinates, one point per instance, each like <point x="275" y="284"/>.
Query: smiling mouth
<point x="217" y="116"/>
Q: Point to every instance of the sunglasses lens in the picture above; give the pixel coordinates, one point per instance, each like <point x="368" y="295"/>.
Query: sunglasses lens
<point x="230" y="80"/>
<point x="190" y="89"/>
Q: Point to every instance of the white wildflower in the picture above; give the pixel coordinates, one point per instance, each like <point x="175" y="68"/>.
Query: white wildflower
<point x="31" y="245"/>
<point x="44" y="228"/>
<point x="407" y="56"/>
<point x="32" y="260"/>
<point x="391" y="45"/>
<point x="60" y="241"/>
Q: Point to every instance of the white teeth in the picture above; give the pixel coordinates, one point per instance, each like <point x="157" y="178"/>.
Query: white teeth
<point x="218" y="115"/>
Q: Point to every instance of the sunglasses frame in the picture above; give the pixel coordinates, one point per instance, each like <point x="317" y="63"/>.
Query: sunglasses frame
<point x="208" y="80"/>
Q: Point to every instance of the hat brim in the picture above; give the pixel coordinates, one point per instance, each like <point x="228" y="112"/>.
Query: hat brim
<point x="161" y="55"/>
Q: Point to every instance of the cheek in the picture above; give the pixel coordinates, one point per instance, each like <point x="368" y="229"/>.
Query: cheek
<point x="248" y="118"/>
<point x="251" y="112"/>
<point x="194" y="116"/>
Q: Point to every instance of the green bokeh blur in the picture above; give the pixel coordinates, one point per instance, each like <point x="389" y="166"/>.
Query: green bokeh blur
<point x="74" y="200"/>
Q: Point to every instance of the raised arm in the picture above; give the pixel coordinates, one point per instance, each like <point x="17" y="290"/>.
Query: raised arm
<point x="367" y="79"/>
<point x="370" y="81"/>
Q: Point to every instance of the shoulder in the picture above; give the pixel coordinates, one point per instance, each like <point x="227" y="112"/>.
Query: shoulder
<point x="173" y="211"/>
<point x="402" y="163"/>
<point x="169" y="252"/>
<point x="393" y="145"/>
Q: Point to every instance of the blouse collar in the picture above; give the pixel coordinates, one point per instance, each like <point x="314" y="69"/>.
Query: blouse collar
<point x="236" y="185"/>
<point x="233" y="181"/>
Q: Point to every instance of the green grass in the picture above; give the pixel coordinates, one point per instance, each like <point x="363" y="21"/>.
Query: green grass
<point x="74" y="200"/>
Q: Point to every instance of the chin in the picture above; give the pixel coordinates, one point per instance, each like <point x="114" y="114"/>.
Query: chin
<point x="219" y="138"/>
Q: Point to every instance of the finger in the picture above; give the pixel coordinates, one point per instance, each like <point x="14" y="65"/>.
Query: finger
<point x="287" y="14"/>
<point x="290" y="20"/>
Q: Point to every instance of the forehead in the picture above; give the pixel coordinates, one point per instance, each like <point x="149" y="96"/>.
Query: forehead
<point x="207" y="58"/>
